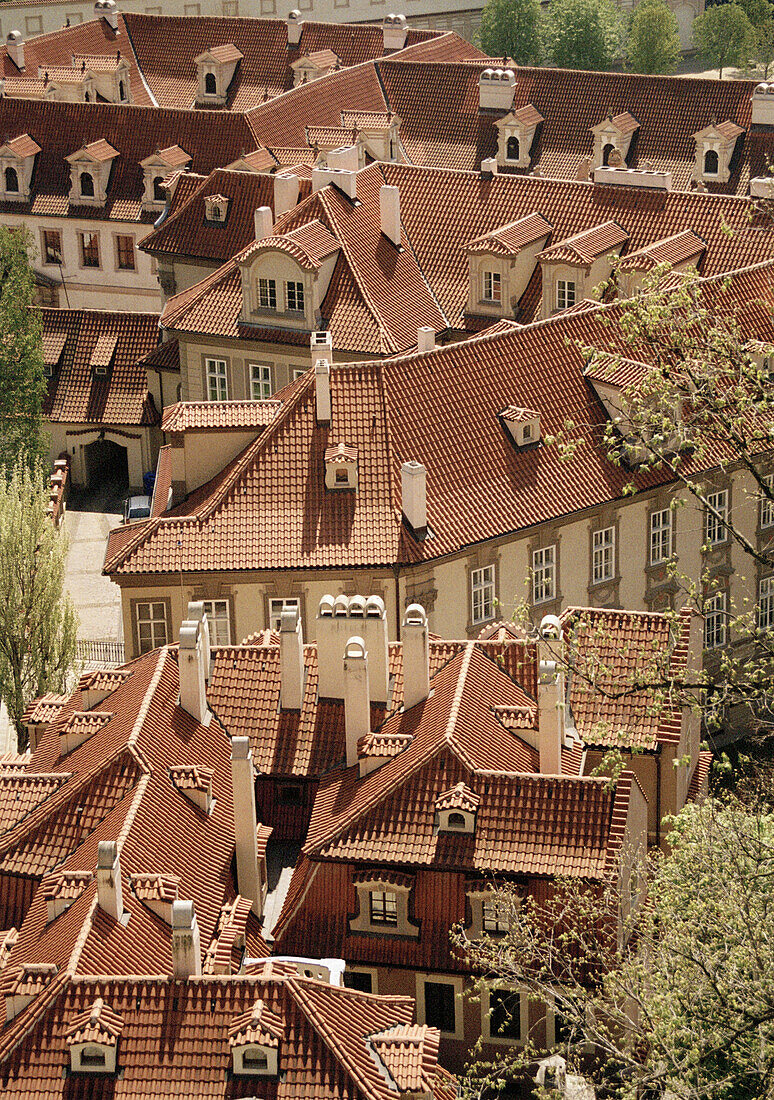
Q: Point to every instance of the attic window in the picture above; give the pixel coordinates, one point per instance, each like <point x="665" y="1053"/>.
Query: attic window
<point x="93" y="1057"/>
<point x="210" y="84"/>
<point x="456" y="810"/>
<point x="159" y="194"/>
<point x="523" y="425"/>
<point x="87" y="185"/>
<point x="341" y="467"/>
<point x="711" y="163"/>
<point x="512" y="149"/>
<point x="456" y="820"/>
<point x="11" y="181"/>
<point x="215" y="208"/>
<point x="608" y="149"/>
<point x="255" y="1059"/>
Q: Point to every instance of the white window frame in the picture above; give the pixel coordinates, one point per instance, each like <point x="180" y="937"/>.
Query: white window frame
<point x="153" y="622"/>
<point x="267" y="294"/>
<point x="363" y="921"/>
<point x="544" y="574"/>
<point x="219" y="621"/>
<point x="715" y="620"/>
<point x="660" y="540"/>
<point x="278" y="604"/>
<point x="217" y="379"/>
<point x="459" y="1004"/>
<point x="716" y="530"/>
<point x="566" y="293"/>
<point x="261" y="383"/>
<point x="493" y="287"/>
<point x="766" y="603"/>
<point x="767" y="506"/>
<point x="294" y="290"/>
<point x="482" y="594"/>
<point x="385" y="902"/>
<point x="504" y="1040"/>
<point x="298" y="372"/>
<point x="602" y="555"/>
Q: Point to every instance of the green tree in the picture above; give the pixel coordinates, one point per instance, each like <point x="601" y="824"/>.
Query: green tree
<point x="654" y="38"/>
<point x="511" y="28"/>
<point x="723" y="35"/>
<point x="584" y="34"/>
<point x="22" y="382"/>
<point x="38" y="623"/>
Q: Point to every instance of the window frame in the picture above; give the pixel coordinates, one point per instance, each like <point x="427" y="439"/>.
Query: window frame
<point x="716" y="531"/>
<point x="712" y="173"/>
<point x="215" y="620"/>
<point x="483" y="579"/>
<point x="486" y="1018"/>
<point x="136" y="620"/>
<point x="766" y="513"/>
<point x="423" y="979"/>
<point x="499" y="927"/>
<point x="287" y="603"/>
<point x="714" y="610"/>
<point x="492" y="286"/>
<point x="10" y="168"/>
<point x="383" y="908"/>
<point x="366" y="971"/>
<point x="542" y="571"/>
<point x="509" y="139"/>
<point x="765" y="593"/>
<point x="264" y="385"/>
<point x="217" y="378"/>
<point x="45" y="249"/>
<point x="124" y="237"/>
<point x="296" y="290"/>
<point x="600" y="551"/>
<point x="563" y="292"/>
<point x="82" y="249"/>
<point x="658" y="533"/>
<point x="267" y="300"/>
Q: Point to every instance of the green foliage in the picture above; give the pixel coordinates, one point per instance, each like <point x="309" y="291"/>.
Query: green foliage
<point x="511" y="28"/>
<point x="654" y="39"/>
<point x="584" y="34"/>
<point x="22" y="382"/>
<point x="723" y="35"/>
<point x="38" y="623"/>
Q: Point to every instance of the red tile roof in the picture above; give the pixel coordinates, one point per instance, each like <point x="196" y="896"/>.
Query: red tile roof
<point x="309" y="245"/>
<point x="508" y="240"/>
<point x="189" y="416"/>
<point x="97" y="1024"/>
<point x="586" y="246"/>
<point x="676" y="249"/>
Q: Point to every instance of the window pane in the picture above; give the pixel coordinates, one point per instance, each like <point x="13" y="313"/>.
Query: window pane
<point x="90" y="249"/>
<point x="267" y="293"/>
<point x="151" y="626"/>
<point x="715" y="524"/>
<point x="276" y="607"/>
<point x="384" y="907"/>
<point x="218" y="619"/>
<point x="440" y="1006"/>
<point x="125" y="249"/>
<point x="294" y="293"/>
<point x="767" y="505"/>
<point x="260" y="381"/>
<point x="482" y="594"/>
<point x="52" y="246"/>
<point x="505" y="1014"/>
<point x="217" y="386"/>
<point x="354" y="979"/>
<point x="766" y="603"/>
<point x="660" y="536"/>
<point x="715" y="621"/>
<point x="565" y="294"/>
<point x="603" y="555"/>
<point x="543" y="574"/>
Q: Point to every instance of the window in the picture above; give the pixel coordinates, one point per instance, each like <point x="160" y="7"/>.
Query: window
<point x="441" y="1006"/>
<point x="255" y="1058"/>
<point x="34" y="24"/>
<point x="505" y="1015"/>
<point x="603" y="555"/>
<point x="544" y="574"/>
<point x="495" y="916"/>
<point x="512" y="149"/>
<point x="151" y="626"/>
<point x="210" y="84"/>
<point x="456" y="820"/>
<point x="715" y="525"/>
<point x="711" y="164"/>
<point x="125" y="252"/>
<point x="290" y="794"/>
<point x="89" y="249"/>
<point x="267" y="294"/>
<point x="11" y="181"/>
<point x="121" y="91"/>
<point x="608" y="149"/>
<point x="218" y="619"/>
<point x="384" y="907"/>
<point x="361" y="980"/>
<point x="482" y="590"/>
<point x="260" y="381"/>
<point x="217" y="384"/>
<point x="715" y="621"/>
<point x="294" y="297"/>
<point x="298" y="371"/>
<point x="159" y="194"/>
<point x="276" y="607"/>
<point x="52" y="246"/>
<point x="493" y="290"/>
<point x="767" y="505"/>
<point x="87" y="185"/>
<point x="565" y="294"/>
<point x="660" y="536"/>
<point x="766" y="603"/>
<point x="230" y="8"/>
<point x="92" y="1056"/>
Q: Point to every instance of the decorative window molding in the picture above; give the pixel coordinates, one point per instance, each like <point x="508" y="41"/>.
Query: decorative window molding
<point x="483" y="596"/>
<point x="715" y="146"/>
<point x="516" y="136"/>
<point x="441" y="1007"/>
<point x="715" y="620"/>
<point x="383" y="901"/>
<point x="613" y="136"/>
<point x="90" y="173"/>
<point x="156" y="168"/>
<point x="505" y="1017"/>
<point x="488" y="912"/>
<point x="215" y="208"/>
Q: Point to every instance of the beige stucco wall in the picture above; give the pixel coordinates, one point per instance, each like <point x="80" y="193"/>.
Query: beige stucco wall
<point x="238" y="355"/>
<point x="141" y="445"/>
<point x="204" y="454"/>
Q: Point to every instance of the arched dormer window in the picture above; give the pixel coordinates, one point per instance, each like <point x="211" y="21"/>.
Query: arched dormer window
<point x="87" y="185"/>
<point x="11" y="181"/>
<point x="513" y="151"/>
<point x="210" y="84"/>
<point x="121" y="91"/>
<point x="159" y="194"/>
<point x="86" y="97"/>
<point x="606" y="152"/>
<point x="456" y="820"/>
<point x="711" y="163"/>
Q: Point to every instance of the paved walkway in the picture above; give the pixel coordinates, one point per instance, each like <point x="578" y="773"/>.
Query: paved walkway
<point x="91" y="514"/>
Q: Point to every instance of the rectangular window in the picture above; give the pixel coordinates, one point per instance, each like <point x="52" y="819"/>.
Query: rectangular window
<point x="89" y="249"/>
<point x="34" y="24"/>
<point x="294" y="297"/>
<point x="482" y="591"/>
<point x="493" y="290"/>
<point x="544" y="574"/>
<point x="297" y="372"/>
<point x="565" y="294"/>
<point x="603" y="555"/>
<point x="505" y="1014"/>
<point x="260" y="381"/>
<point x="715" y="621"/>
<point x="359" y="979"/>
<point x="384" y="907"/>
<point x="766" y="603"/>
<point x="276" y="607"/>
<point x="125" y="252"/>
<point x="495" y="916"/>
<point x="290" y="794"/>
<point x="715" y="525"/>
<point x="52" y="246"/>
<point x="151" y="626"/>
<point x="219" y="621"/>
<point x="267" y="293"/>
<point x="767" y="505"/>
<point x="660" y="536"/>
<point x="217" y="384"/>
<point x="230" y="8"/>
<point x="441" y="1006"/>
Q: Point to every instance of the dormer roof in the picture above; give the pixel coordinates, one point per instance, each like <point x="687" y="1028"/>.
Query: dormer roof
<point x="65" y="885"/>
<point x="99" y="63"/>
<point x="727" y="130"/>
<point x="309" y="245"/>
<point x="27" y="980"/>
<point x="341" y="454"/>
<point x="191" y="777"/>
<point x="98" y="151"/>
<point x="156" y="887"/>
<point x="103" y="679"/>
<point x="369" y="120"/>
<point x="98" y="1024"/>
<point x="260" y="160"/>
<point x="260" y="1025"/>
<point x="509" y="239"/>
<point x="322" y="60"/>
<point x="21" y="146"/>
<point x="677" y="249"/>
<point x="624" y="123"/>
<point x="616" y="371"/>
<point x="517" y="414"/>
<point x="223" y="55"/>
<point x="459" y="797"/>
<point x="171" y="157"/>
<point x="585" y="247"/>
<point x="527" y="116"/>
<point x="409" y="1053"/>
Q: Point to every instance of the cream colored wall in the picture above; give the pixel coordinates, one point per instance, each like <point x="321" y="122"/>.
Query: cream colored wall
<point x="282" y="268"/>
<point x="205" y="454"/>
<point x="142" y="451"/>
<point x="283" y="359"/>
<point x="187" y="274"/>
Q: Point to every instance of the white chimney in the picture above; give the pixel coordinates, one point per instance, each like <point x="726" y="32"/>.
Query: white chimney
<point x="321" y="345"/>
<point x="345" y="180"/>
<point x="416" y="656"/>
<point x="322" y="389"/>
<point x="291" y="660"/>
<point x="489" y="167"/>
<point x="186" y="945"/>
<point x="347" y="157"/>
<point x="495" y="89"/>
<point x="762" y="105"/>
<point x="389" y="212"/>
<point x="109" y="894"/>
<point x="109" y="12"/>
<point x="264" y="222"/>
<point x="197" y="614"/>
<point x="373" y="627"/>
<point x="357" y="704"/>
<point x="245" y="825"/>
<point x="285" y="193"/>
<point x="193" y="660"/>
<point x="425" y="338"/>
<point x="14" y="44"/>
<point x="295" y="26"/>
<point x="394" y="32"/>
<point x="413" y="483"/>
<point x="551" y="701"/>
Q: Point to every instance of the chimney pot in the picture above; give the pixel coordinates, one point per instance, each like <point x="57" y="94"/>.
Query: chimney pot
<point x="347" y="158"/>
<point x="295" y="25"/>
<point x="389" y="212"/>
<point x="414" y="495"/>
<point x="286" y="190"/>
<point x="109" y="893"/>
<point x="186" y="944"/>
<point x="394" y="32"/>
<point x="425" y="338"/>
<point x="357" y="703"/>
<point x="264" y="222"/>
<point x="291" y="660"/>
<point x="416" y="656"/>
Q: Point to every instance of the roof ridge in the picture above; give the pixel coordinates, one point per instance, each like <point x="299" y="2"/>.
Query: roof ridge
<point x="150" y="691"/>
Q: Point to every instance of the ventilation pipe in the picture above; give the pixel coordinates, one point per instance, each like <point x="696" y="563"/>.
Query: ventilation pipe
<point x="264" y="222"/>
<point x="357" y="704"/>
<point x="551" y="701"/>
<point x="425" y="338"/>
<point x="186" y="945"/>
<point x="109" y="894"/>
<point x="286" y="190"/>
<point x="413" y="481"/>
<point x="295" y="26"/>
<point x="245" y="825"/>
<point x="416" y="656"/>
<point x="14" y="44"/>
<point x="389" y="212"/>
<point x="291" y="660"/>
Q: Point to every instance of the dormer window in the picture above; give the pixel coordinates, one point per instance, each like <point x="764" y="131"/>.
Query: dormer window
<point x="210" y="84"/>
<point x="87" y="185"/>
<point x="11" y="181"/>
<point x="383" y="906"/>
<point x="493" y="289"/>
<point x="255" y="1040"/>
<point x="215" y="68"/>
<point x="267" y="294"/>
<point x="715" y="147"/>
<point x="341" y="467"/>
<point x="121" y="92"/>
<point x="90" y="172"/>
<point x="523" y="425"/>
<point x="711" y="163"/>
<point x="93" y="1038"/>
<point x="215" y="208"/>
<point x="383" y="900"/>
<point x="159" y="194"/>
<point x="516" y="136"/>
<point x="613" y="136"/>
<point x="160" y="165"/>
<point x="294" y="296"/>
<point x="455" y="810"/>
<point x="566" y="293"/>
<point x="608" y="149"/>
<point x="512" y="149"/>
<point x="17" y="158"/>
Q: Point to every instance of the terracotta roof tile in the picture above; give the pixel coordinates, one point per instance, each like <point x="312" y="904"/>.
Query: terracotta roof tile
<point x="508" y="240"/>
<point x="223" y="415"/>
<point x="676" y="249"/>
<point x="586" y="246"/>
<point x="22" y="791"/>
<point x="309" y="244"/>
<point x="459" y="797"/>
<point x="23" y="146"/>
<point x="97" y="1024"/>
<point x="44" y="709"/>
<point x="409" y="1052"/>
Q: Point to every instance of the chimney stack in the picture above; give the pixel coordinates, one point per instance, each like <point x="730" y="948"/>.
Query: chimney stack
<point x="496" y="89"/>
<point x="357" y="703"/>
<point x="109" y="894"/>
<point x="264" y="222"/>
<point x="394" y="32"/>
<point x="186" y="946"/>
<point x="344" y="179"/>
<point x="14" y="44"/>
<point x="416" y="656"/>
<point x="489" y="167"/>
<point x="197" y="614"/>
<point x="291" y="660"/>
<point x="193" y="665"/>
<point x="245" y="825"/>
<point x="551" y="701"/>
<point x="322" y="389"/>
<point x="346" y="157"/>
<point x="413" y="482"/>
<point x="425" y="338"/>
<point x="295" y="26"/>
<point x="109" y="12"/>
<point x="389" y="212"/>
<point x="285" y="193"/>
